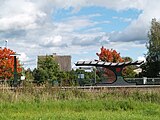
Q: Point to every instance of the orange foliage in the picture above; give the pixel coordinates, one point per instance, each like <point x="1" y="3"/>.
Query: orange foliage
<point x="7" y="64"/>
<point x="109" y="55"/>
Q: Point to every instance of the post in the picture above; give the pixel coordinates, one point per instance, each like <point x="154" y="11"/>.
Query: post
<point x="144" y="80"/>
<point x="95" y="81"/>
<point x="15" y="72"/>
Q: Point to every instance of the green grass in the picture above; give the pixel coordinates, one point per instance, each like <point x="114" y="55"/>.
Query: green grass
<point x="78" y="105"/>
<point x="80" y="110"/>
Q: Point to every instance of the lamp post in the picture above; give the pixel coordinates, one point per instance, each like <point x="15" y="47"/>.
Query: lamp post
<point x="15" y="70"/>
<point x="6" y="43"/>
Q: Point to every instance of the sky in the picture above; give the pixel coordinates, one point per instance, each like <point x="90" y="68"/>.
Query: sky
<point x="76" y="27"/>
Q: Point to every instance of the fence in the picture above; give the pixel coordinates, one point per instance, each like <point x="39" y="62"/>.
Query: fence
<point x="144" y="81"/>
<point x="138" y="81"/>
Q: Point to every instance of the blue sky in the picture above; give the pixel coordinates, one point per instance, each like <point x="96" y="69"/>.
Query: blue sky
<point x="77" y="28"/>
<point x="115" y="20"/>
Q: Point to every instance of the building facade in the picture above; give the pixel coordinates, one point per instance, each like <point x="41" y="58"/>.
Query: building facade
<point x="64" y="61"/>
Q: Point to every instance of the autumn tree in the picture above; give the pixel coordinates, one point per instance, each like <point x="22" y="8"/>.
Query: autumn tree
<point x="7" y="64"/>
<point x="109" y="55"/>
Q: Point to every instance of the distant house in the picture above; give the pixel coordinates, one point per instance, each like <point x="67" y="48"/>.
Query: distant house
<point x="137" y="70"/>
<point x="64" y="61"/>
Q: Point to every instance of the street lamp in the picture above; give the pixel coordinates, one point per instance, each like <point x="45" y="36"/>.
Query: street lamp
<point x="15" y="70"/>
<point x="6" y="43"/>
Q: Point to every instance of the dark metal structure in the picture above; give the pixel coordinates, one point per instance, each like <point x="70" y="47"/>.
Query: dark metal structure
<point x="115" y="67"/>
<point x="15" y="72"/>
<point x="15" y="81"/>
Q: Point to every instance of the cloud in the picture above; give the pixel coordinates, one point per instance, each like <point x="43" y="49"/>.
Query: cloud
<point x="72" y="24"/>
<point x="120" y="5"/>
<point x="138" y="29"/>
<point x="122" y="19"/>
<point x="55" y="41"/>
<point x="23" y="57"/>
<point x="25" y="16"/>
<point x="114" y="4"/>
<point x="30" y="29"/>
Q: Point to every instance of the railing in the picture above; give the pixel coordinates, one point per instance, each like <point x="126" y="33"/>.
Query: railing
<point x="138" y="81"/>
<point x="144" y="81"/>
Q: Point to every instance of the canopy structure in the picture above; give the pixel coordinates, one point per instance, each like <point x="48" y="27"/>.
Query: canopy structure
<point x="115" y="67"/>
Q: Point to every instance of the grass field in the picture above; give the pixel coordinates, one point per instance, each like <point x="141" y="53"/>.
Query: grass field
<point x="79" y="105"/>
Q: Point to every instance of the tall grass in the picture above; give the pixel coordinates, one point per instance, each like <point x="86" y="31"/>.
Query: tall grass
<point x="74" y="104"/>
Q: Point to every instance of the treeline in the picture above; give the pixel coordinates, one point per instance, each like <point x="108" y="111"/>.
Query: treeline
<point x="48" y="71"/>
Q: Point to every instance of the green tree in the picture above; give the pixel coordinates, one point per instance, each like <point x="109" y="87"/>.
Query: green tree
<point x="40" y="75"/>
<point x="63" y="78"/>
<point x="152" y="66"/>
<point x="28" y="74"/>
<point x="128" y="71"/>
<point x="48" y="70"/>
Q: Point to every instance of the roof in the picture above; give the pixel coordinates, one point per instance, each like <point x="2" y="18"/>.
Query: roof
<point x="107" y="64"/>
